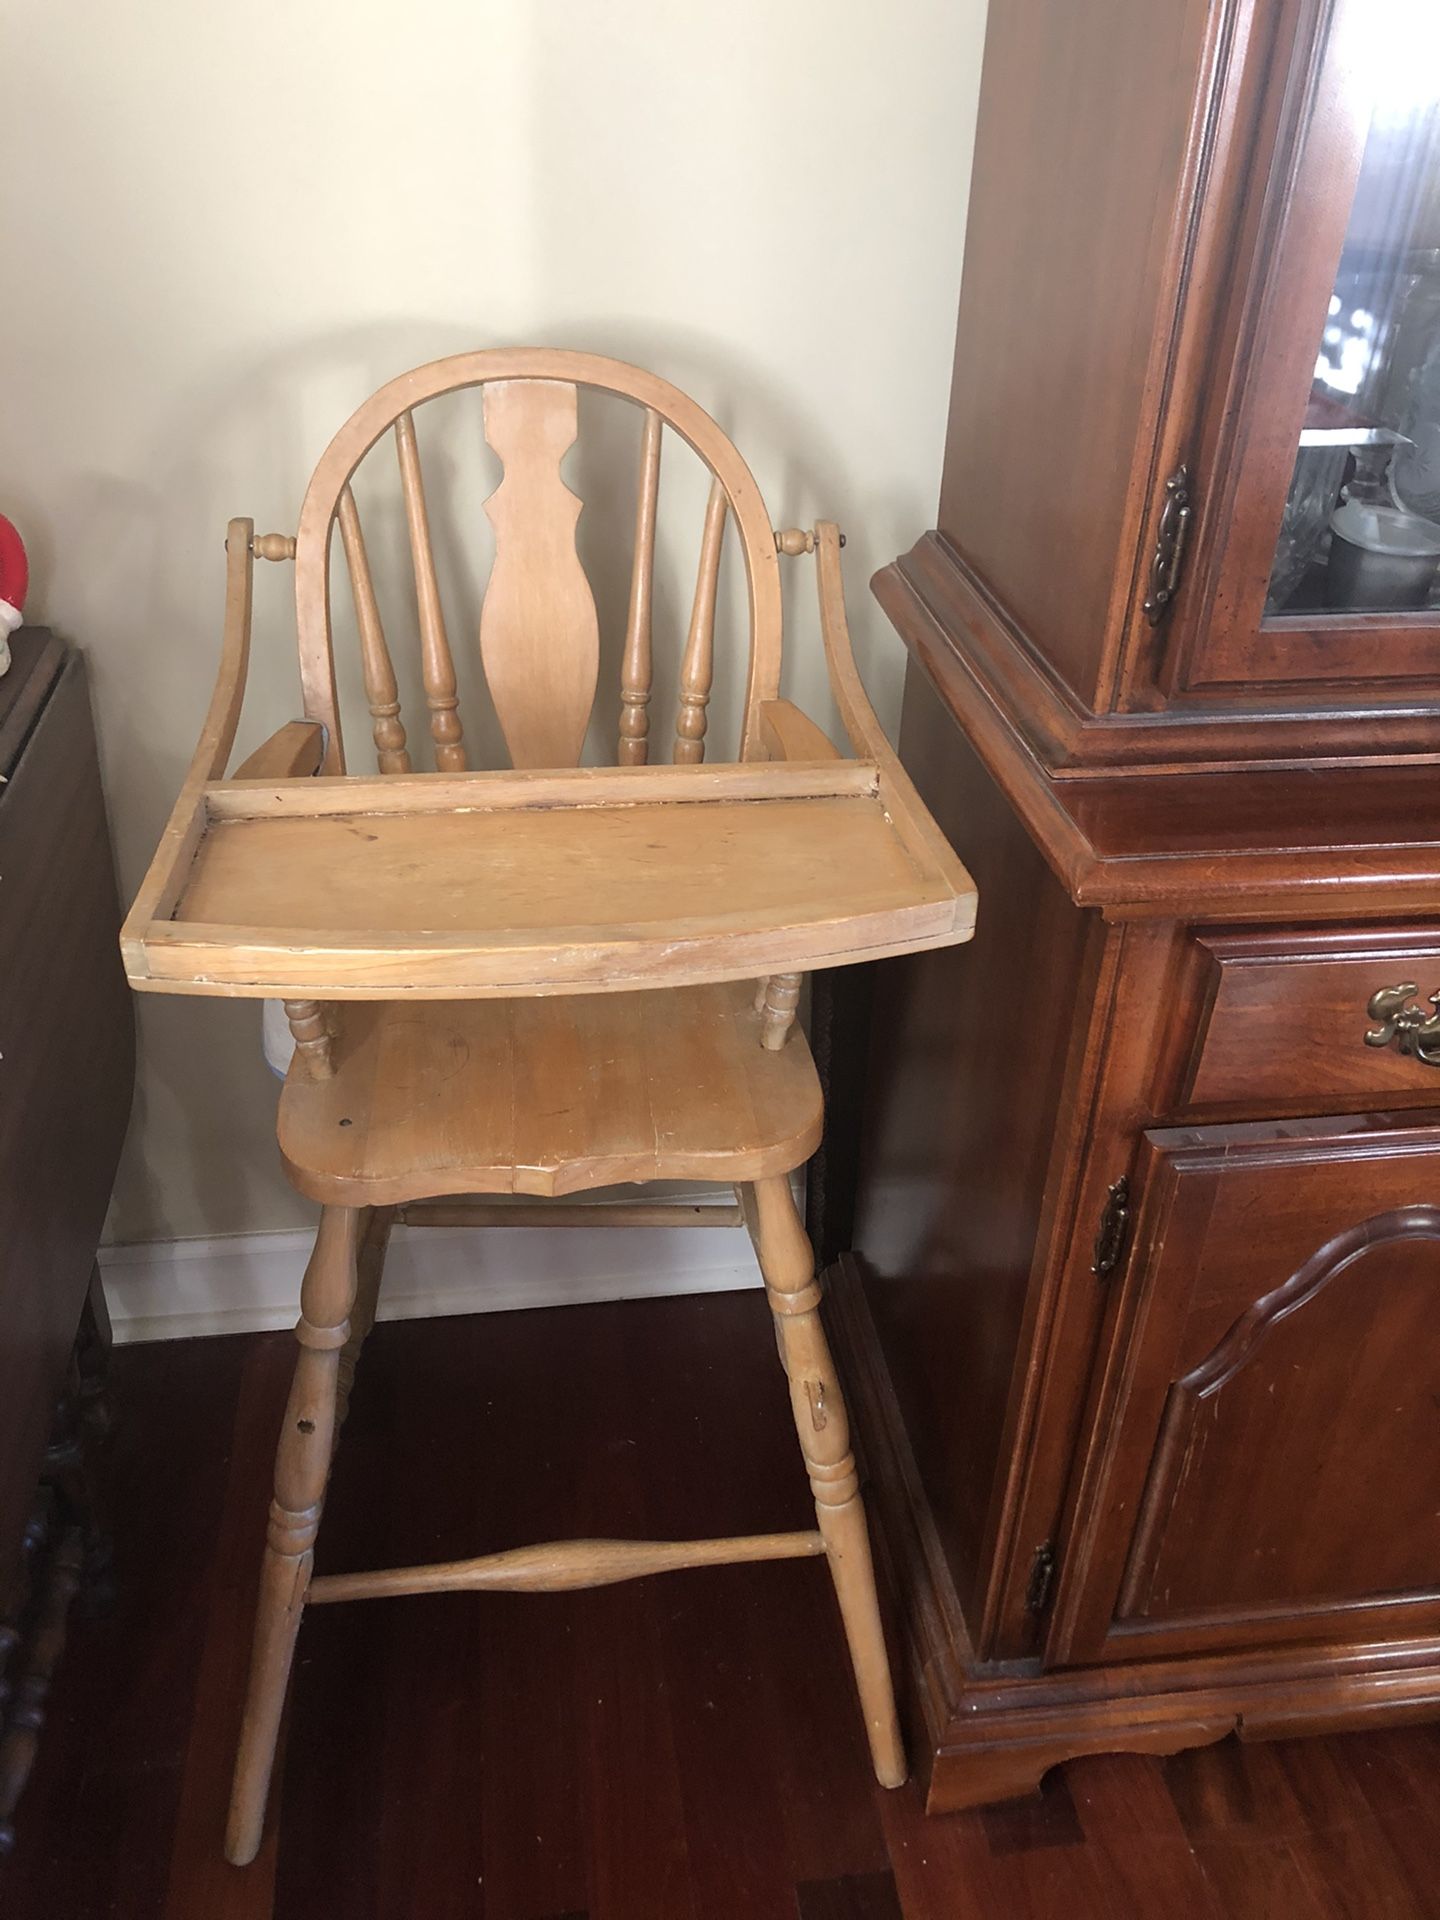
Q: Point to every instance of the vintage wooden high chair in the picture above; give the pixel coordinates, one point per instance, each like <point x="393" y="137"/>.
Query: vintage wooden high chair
<point x="540" y="980"/>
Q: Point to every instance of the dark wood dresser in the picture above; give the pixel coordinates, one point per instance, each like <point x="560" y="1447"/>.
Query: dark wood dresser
<point x="1145" y="1289"/>
<point x="67" y="1061"/>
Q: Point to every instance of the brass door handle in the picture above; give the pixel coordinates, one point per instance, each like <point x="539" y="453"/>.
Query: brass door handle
<point x="1410" y="1029"/>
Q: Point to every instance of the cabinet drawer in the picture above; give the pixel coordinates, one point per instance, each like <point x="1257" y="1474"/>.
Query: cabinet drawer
<point x="1286" y="1018"/>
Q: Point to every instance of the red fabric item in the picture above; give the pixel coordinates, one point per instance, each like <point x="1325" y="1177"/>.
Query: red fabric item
<point x="14" y="567"/>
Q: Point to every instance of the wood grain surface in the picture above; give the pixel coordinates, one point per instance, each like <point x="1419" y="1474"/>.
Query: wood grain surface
<point x="677" y="1749"/>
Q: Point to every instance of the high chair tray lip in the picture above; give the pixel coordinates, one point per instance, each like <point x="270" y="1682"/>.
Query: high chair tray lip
<point x="583" y="881"/>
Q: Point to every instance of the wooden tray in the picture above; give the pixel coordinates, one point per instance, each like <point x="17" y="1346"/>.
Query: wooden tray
<point x="471" y="885"/>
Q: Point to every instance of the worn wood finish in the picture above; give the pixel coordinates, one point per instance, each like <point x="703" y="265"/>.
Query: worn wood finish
<point x="789" y="734"/>
<point x="821" y="1421"/>
<point x="291" y="752"/>
<point x="339" y="903"/>
<point x="528" y="366"/>
<point x="310" y="1027"/>
<point x="603" y="1213"/>
<point x="569" y="1127"/>
<point x="776" y="1006"/>
<point x="563" y="1566"/>
<point x="437" y="664"/>
<point x="490" y="885"/>
<point x="302" y="1466"/>
<point x="697" y="667"/>
<point x="382" y="694"/>
<point x="430" y="938"/>
<point x="373" y="1237"/>
<point x="539" y="632"/>
<point x="162" y="884"/>
<point x="547" y="1096"/>
<point x="637" y="667"/>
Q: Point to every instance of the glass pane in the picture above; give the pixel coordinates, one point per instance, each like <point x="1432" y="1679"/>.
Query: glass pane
<point x="1361" y="531"/>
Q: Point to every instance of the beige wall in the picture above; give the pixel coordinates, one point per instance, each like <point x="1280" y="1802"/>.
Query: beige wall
<point x="225" y="226"/>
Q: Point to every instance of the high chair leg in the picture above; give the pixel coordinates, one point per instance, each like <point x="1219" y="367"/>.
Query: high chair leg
<point x="824" y="1430"/>
<point x="373" y="1238"/>
<point x="302" y="1463"/>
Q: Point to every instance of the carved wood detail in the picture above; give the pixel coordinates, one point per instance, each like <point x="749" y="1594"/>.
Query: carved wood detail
<point x="1180" y="1442"/>
<point x="539" y="632"/>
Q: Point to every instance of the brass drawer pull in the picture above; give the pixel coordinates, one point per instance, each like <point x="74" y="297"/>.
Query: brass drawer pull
<point x="1411" y="1029"/>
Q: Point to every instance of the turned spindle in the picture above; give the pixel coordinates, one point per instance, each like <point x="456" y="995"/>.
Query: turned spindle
<point x="698" y="666"/>
<point x="635" y="672"/>
<point x="312" y="1035"/>
<point x="437" y="666"/>
<point x="382" y="693"/>
<point x="776" y="1004"/>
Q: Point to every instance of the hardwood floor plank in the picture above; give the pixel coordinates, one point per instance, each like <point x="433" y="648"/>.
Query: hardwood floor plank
<point x="1127" y="1815"/>
<point x="683" y="1748"/>
<point x="855" y="1896"/>
<point x="723" y="1468"/>
<point x="1045" y="1819"/>
<point x="1395" y="1775"/>
<point x="1259" y="1879"/>
<point x="1342" y="1847"/>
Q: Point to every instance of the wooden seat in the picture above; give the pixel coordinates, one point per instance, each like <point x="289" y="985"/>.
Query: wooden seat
<point x="547" y="1097"/>
<point x="549" y="978"/>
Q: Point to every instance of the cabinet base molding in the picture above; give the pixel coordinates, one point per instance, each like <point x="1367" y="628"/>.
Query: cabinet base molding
<point x="981" y="1733"/>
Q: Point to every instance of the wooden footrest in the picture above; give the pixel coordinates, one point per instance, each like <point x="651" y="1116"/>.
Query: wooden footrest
<point x="560" y="1565"/>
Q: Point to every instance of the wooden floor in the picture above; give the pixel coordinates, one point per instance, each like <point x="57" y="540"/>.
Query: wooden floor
<point x="684" y="1748"/>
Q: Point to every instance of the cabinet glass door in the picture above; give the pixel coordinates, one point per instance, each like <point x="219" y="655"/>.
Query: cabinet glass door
<point x="1361" y="531"/>
<point x="1321" y="544"/>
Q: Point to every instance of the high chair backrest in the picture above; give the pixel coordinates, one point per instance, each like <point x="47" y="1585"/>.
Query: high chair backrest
<point x="539" y="630"/>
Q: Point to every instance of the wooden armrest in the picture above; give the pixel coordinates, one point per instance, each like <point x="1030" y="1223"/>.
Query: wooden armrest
<point x="291" y="753"/>
<point x="861" y="722"/>
<point x="789" y="734"/>
<point x="162" y="883"/>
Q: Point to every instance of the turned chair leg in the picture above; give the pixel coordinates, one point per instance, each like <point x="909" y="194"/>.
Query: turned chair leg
<point x="302" y="1463"/>
<point x="373" y="1236"/>
<point x="824" y="1430"/>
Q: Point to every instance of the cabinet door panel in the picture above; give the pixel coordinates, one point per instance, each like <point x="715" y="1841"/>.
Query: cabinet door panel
<point x="1322" y="522"/>
<point x="1092" y="121"/>
<point x="1266" y="1461"/>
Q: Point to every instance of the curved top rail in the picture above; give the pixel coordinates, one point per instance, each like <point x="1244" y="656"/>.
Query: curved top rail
<point x="458" y="371"/>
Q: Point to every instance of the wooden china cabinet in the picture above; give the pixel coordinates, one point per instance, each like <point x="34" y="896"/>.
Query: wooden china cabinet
<point x="1145" y="1289"/>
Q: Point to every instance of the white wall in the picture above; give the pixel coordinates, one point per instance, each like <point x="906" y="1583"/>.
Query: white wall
<point x="225" y="226"/>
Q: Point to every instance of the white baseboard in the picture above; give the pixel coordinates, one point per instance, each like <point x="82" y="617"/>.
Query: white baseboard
<point x="247" y="1283"/>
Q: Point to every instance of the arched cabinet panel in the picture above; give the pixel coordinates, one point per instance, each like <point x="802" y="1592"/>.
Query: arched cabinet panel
<point x="1273" y="1446"/>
